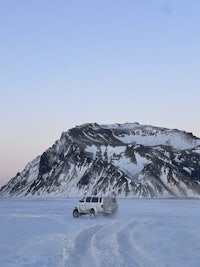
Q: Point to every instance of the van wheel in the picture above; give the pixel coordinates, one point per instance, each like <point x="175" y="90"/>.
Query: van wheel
<point x="75" y="213"/>
<point x="92" y="213"/>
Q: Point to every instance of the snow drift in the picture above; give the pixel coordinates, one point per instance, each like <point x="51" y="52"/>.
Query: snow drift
<point x="153" y="233"/>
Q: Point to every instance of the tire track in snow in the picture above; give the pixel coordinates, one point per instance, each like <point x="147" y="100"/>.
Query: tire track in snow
<point x="133" y="252"/>
<point x="79" y="254"/>
<point x="105" y="247"/>
<point x="108" y="245"/>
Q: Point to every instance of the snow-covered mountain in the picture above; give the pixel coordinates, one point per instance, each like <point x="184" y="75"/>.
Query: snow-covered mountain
<point x="129" y="160"/>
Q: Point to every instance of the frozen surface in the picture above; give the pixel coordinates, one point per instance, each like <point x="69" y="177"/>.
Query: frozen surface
<point x="144" y="232"/>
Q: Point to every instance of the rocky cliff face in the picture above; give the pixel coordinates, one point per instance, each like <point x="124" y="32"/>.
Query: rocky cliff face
<point x="130" y="160"/>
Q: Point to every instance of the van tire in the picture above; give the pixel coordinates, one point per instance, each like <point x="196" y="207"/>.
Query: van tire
<point x="75" y="213"/>
<point x="92" y="213"/>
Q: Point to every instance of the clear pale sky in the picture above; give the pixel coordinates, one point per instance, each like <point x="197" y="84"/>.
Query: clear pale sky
<point x="64" y="63"/>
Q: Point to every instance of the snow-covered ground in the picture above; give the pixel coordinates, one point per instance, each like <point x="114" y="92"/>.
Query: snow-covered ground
<point x="144" y="232"/>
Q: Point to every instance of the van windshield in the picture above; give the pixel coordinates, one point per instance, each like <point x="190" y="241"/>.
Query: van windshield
<point x="82" y="199"/>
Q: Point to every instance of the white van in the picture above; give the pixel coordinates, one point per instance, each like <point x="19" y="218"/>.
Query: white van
<point x="94" y="205"/>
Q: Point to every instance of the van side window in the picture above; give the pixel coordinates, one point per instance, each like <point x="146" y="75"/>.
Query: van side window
<point x="95" y="199"/>
<point x="88" y="199"/>
<point x="100" y="199"/>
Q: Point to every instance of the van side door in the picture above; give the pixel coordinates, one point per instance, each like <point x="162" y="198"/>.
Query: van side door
<point x="87" y="204"/>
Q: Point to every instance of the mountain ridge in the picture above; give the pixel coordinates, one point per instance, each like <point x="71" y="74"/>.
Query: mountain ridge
<point x="129" y="160"/>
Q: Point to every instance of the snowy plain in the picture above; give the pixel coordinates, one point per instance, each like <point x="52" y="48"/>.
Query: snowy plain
<point x="144" y="232"/>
